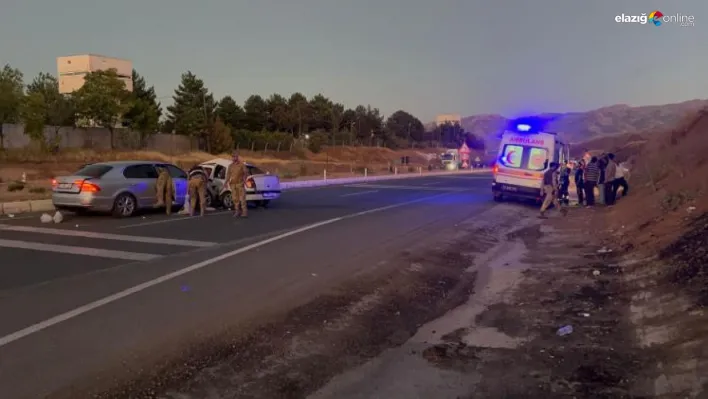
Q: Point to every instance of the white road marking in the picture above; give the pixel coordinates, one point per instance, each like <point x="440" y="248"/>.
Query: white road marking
<point x="432" y="184"/>
<point x="177" y="218"/>
<point x="65" y="249"/>
<point x="106" y="236"/>
<point x="7" y="339"/>
<point x="360" y="193"/>
<point x="417" y="188"/>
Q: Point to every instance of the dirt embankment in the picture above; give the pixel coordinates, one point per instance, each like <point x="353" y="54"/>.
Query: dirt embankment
<point x="38" y="168"/>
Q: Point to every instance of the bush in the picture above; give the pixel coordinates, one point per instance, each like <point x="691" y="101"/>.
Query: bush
<point x="316" y="142"/>
<point x="15" y="186"/>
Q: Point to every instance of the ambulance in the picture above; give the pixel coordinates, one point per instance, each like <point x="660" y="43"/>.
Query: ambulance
<point x="525" y="153"/>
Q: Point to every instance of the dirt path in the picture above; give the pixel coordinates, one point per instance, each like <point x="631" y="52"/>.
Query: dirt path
<point x="472" y="314"/>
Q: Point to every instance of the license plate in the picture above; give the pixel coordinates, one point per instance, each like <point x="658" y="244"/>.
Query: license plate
<point x="65" y="185"/>
<point x="506" y="188"/>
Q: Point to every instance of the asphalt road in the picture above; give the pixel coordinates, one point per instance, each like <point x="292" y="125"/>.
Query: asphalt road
<point x="81" y="298"/>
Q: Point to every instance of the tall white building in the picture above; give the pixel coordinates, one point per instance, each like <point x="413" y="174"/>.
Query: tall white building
<point x="72" y="69"/>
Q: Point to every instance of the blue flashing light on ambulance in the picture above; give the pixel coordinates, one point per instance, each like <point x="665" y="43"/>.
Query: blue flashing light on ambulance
<point x="525" y="153"/>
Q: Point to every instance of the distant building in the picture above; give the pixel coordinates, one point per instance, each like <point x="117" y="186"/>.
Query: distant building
<point x="72" y="69"/>
<point x="451" y="118"/>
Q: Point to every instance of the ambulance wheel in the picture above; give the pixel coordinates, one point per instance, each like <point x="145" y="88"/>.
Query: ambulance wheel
<point x="498" y="197"/>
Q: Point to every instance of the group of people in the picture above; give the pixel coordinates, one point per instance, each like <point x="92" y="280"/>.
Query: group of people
<point x="602" y="173"/>
<point x="197" y="182"/>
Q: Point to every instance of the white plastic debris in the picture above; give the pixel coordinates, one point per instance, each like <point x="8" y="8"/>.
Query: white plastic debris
<point x="45" y="218"/>
<point x="58" y="217"/>
<point x="690" y="209"/>
<point x="12" y="215"/>
<point x="584" y="314"/>
<point x="604" y="250"/>
<point x="595" y="273"/>
<point x="210" y="209"/>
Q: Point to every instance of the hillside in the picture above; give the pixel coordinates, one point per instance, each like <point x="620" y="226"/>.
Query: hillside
<point x="578" y="127"/>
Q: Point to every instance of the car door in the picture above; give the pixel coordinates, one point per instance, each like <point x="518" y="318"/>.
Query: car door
<point x="179" y="178"/>
<point x="219" y="179"/>
<point x="142" y="179"/>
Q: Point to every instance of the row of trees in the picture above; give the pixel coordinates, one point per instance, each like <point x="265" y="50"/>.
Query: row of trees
<point x="104" y="100"/>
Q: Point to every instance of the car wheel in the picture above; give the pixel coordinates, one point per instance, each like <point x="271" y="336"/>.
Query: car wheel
<point x="226" y="200"/>
<point x="498" y="198"/>
<point x="209" y="200"/>
<point x="265" y="203"/>
<point x="125" y="206"/>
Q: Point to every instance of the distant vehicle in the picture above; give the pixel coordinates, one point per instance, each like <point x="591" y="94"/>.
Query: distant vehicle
<point x="525" y="153"/>
<point x="450" y="159"/>
<point x="261" y="187"/>
<point x="121" y="187"/>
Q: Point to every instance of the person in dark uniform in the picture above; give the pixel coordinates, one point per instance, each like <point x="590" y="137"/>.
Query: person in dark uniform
<point x="580" y="182"/>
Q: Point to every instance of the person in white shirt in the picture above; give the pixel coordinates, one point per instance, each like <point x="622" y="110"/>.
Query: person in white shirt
<point x="621" y="179"/>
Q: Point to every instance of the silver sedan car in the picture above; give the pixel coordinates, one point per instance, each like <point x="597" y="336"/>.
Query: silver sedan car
<point x="120" y="187"/>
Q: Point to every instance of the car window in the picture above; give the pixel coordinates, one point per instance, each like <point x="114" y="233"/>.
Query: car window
<point x="252" y="170"/>
<point x="208" y="170"/>
<point x="220" y="172"/>
<point x="95" y="171"/>
<point x="175" y="172"/>
<point x="140" y="171"/>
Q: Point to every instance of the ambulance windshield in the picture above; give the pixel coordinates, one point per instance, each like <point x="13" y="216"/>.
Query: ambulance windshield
<point x="524" y="157"/>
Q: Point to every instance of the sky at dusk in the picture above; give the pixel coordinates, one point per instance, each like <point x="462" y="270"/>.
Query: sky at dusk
<point x="426" y="57"/>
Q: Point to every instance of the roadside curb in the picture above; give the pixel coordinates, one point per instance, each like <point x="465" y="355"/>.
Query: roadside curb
<point x="11" y="208"/>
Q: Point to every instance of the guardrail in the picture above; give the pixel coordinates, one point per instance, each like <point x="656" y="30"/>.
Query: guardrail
<point x="347" y="180"/>
<point x="11" y="208"/>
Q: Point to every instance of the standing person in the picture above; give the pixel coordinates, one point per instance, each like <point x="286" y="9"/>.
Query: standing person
<point x="621" y="178"/>
<point x="591" y="176"/>
<point x="550" y="190"/>
<point x="580" y="182"/>
<point x="564" y="184"/>
<point x="602" y="164"/>
<point x="196" y="187"/>
<point x="236" y="177"/>
<point x="610" y="172"/>
<point x="165" y="189"/>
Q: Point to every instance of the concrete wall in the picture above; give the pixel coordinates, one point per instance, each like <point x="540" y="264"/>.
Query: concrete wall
<point x="100" y="139"/>
<point x="452" y="118"/>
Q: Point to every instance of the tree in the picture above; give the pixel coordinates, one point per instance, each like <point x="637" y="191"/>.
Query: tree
<point x="405" y="126"/>
<point x="11" y="97"/>
<point x="59" y="108"/>
<point x="145" y="111"/>
<point x="220" y="139"/>
<point x="230" y="113"/>
<point x="34" y="115"/>
<point x="279" y="115"/>
<point x="103" y="99"/>
<point x="193" y="108"/>
<point x="321" y="113"/>
<point x="256" y="111"/>
<point x="300" y="112"/>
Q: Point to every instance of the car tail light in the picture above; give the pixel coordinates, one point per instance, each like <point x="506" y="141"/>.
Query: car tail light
<point x="250" y="183"/>
<point x="54" y="183"/>
<point x="495" y="169"/>
<point x="86" y="186"/>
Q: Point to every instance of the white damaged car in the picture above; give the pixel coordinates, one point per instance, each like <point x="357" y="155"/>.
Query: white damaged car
<point x="261" y="186"/>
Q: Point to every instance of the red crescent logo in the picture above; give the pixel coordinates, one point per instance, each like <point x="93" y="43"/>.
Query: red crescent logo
<point x="509" y="156"/>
